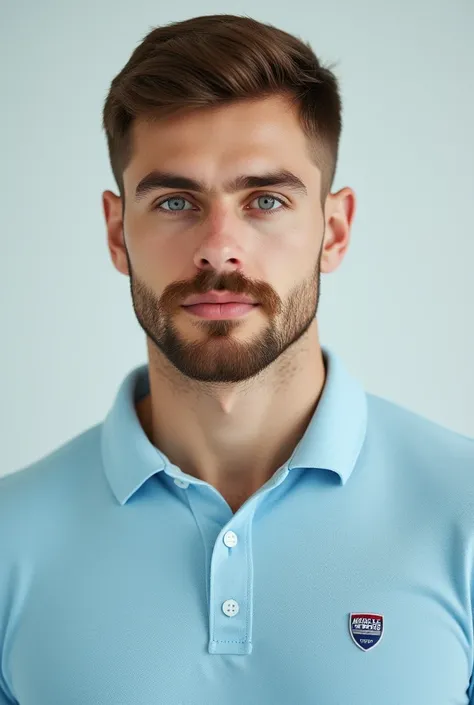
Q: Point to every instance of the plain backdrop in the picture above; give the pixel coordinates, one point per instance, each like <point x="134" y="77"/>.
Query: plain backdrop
<point x="399" y="310"/>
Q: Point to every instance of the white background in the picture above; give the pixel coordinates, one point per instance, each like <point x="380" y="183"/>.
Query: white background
<point x="399" y="310"/>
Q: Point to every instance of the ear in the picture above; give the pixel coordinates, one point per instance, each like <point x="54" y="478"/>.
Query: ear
<point x="339" y="213"/>
<point x="112" y="206"/>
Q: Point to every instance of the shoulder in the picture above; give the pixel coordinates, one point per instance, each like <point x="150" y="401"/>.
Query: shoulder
<point x="412" y="427"/>
<point x="423" y="451"/>
<point x="32" y="495"/>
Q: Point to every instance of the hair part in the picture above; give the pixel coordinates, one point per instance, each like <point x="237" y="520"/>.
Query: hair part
<point x="212" y="60"/>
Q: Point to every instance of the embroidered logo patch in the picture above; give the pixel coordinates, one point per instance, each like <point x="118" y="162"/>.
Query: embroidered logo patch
<point x="366" y="629"/>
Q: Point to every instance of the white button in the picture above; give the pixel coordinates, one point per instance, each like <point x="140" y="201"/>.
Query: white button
<point x="182" y="483"/>
<point x="230" y="608"/>
<point x="230" y="539"/>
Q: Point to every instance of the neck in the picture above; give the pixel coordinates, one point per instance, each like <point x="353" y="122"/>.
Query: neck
<point x="234" y="437"/>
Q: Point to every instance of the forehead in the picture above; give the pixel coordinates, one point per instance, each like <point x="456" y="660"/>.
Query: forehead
<point x="249" y="133"/>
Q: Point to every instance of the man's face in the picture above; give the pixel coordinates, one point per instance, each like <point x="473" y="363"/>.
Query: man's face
<point x="263" y="241"/>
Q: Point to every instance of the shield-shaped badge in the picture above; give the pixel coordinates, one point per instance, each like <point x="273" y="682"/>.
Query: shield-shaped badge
<point x="366" y="629"/>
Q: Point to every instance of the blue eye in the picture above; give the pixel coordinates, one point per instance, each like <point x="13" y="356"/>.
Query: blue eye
<point x="176" y="204"/>
<point x="268" y="198"/>
<point x="174" y="200"/>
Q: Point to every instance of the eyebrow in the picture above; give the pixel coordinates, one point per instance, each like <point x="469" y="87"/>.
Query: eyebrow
<point x="164" y="179"/>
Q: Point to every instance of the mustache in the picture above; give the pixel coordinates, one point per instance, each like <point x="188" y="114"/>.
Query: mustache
<point x="233" y="282"/>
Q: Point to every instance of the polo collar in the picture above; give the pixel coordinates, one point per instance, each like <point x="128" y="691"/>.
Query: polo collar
<point x="332" y="440"/>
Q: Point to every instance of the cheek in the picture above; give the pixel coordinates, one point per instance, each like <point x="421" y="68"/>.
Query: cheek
<point x="296" y="245"/>
<point x="155" y="243"/>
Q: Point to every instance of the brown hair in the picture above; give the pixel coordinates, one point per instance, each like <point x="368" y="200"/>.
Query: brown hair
<point x="216" y="59"/>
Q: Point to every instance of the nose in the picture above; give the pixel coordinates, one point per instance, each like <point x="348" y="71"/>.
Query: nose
<point x="220" y="247"/>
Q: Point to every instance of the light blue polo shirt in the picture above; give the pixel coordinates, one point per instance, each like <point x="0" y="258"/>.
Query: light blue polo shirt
<point x="347" y="579"/>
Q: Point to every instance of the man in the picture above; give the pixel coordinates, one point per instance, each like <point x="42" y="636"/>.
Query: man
<point x="247" y="525"/>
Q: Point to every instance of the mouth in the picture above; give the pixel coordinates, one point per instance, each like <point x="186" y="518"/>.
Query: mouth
<point x="220" y="311"/>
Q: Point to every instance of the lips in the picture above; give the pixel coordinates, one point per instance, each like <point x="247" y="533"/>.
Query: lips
<point x="220" y="311"/>
<point x="218" y="298"/>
